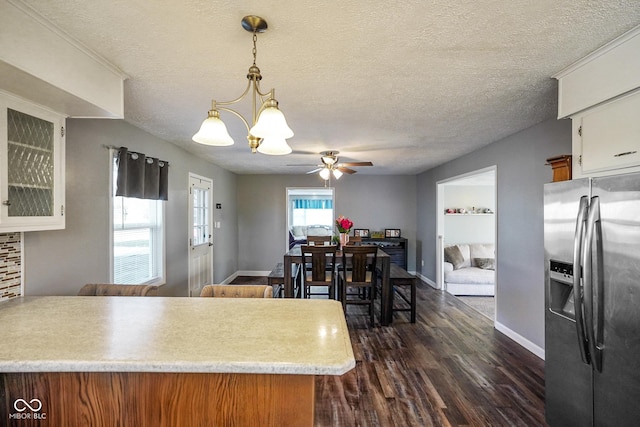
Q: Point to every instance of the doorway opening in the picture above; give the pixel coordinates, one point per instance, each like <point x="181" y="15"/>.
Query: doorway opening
<point x="467" y="228"/>
<point x="310" y="211"/>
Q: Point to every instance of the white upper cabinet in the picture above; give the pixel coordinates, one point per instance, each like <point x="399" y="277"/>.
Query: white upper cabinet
<point x="601" y="95"/>
<point x="31" y="166"/>
<point x="610" y="135"/>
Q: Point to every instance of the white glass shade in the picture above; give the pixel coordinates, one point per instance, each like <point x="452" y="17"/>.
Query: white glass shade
<point x="271" y="124"/>
<point x="328" y="160"/>
<point x="325" y="174"/>
<point x="213" y="132"/>
<point x="337" y="173"/>
<point x="274" y="147"/>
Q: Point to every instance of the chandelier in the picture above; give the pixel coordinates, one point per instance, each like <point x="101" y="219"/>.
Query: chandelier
<point x="269" y="130"/>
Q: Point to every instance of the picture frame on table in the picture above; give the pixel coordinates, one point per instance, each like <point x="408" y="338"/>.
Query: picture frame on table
<point x="361" y="232"/>
<point x="392" y="232"/>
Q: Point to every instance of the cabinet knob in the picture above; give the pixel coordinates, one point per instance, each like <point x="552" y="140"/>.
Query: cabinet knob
<point x="6" y="202"/>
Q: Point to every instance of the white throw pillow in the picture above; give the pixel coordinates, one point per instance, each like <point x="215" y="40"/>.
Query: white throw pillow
<point x="466" y="254"/>
<point x="480" y="250"/>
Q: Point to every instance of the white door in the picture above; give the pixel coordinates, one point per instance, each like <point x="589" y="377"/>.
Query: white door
<point x="200" y="238"/>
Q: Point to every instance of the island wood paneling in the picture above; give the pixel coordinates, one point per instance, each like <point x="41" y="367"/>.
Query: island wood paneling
<point x="160" y="399"/>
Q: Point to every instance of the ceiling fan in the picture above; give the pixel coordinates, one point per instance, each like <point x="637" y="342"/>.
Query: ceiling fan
<point x="330" y="165"/>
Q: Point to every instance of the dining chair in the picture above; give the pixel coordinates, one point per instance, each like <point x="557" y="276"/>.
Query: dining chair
<point x="318" y="269"/>
<point x="113" y="289"/>
<point x="237" y="291"/>
<point x="318" y="240"/>
<point x="354" y="240"/>
<point x="357" y="281"/>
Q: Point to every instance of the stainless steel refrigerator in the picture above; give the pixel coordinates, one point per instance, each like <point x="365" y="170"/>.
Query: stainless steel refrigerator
<point x="592" y="316"/>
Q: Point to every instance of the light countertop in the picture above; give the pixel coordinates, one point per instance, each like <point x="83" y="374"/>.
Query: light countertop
<point x="157" y="334"/>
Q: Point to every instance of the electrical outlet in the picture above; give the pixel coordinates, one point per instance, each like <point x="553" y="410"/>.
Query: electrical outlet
<point x="422" y="263"/>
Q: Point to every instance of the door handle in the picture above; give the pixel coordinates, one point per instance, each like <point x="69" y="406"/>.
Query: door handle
<point x="593" y="296"/>
<point x="577" y="278"/>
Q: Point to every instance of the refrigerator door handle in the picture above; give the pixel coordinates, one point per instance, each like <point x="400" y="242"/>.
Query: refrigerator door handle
<point x="591" y="298"/>
<point x="578" y="240"/>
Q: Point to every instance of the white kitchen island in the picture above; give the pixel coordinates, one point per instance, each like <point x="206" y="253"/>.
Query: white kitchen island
<point x="151" y="361"/>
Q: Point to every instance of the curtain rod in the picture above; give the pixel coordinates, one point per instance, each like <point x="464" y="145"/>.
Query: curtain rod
<point x="113" y="147"/>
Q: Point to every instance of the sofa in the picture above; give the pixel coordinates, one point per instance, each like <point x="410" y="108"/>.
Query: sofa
<point x="298" y="233"/>
<point x="469" y="269"/>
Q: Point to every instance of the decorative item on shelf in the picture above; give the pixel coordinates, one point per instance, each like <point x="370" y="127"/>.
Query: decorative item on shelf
<point x="344" y="225"/>
<point x="361" y="232"/>
<point x="377" y="234"/>
<point x="269" y="129"/>
<point x="561" y="166"/>
<point x="392" y="232"/>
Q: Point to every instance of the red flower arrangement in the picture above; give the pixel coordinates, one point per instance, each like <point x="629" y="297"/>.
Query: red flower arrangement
<point x="344" y="224"/>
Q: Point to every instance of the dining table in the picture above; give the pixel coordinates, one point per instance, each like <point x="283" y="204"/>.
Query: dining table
<point x="294" y="257"/>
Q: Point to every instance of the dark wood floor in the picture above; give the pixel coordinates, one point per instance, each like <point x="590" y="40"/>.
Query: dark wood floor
<point x="451" y="368"/>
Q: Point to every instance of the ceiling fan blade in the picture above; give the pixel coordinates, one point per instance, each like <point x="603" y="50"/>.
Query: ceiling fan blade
<point x="314" y="171"/>
<point x="356" y="164"/>
<point x="346" y="170"/>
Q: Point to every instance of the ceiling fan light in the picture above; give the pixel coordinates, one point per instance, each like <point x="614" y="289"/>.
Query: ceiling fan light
<point x="213" y="131"/>
<point x="271" y="124"/>
<point x="337" y="174"/>
<point x="274" y="147"/>
<point x="328" y="160"/>
<point x="325" y="174"/>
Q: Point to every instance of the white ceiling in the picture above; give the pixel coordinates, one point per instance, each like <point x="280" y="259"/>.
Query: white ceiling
<point x="407" y="85"/>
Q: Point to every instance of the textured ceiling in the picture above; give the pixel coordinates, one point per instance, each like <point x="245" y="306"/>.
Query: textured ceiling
<point x="407" y="85"/>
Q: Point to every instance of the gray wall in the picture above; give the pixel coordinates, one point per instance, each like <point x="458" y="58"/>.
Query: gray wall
<point x="60" y="262"/>
<point x="373" y="202"/>
<point x="521" y="173"/>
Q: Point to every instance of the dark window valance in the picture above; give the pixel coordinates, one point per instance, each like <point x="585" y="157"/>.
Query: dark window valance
<point x="141" y="176"/>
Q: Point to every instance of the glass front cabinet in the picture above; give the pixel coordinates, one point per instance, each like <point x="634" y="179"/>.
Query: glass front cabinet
<point x="31" y="166"/>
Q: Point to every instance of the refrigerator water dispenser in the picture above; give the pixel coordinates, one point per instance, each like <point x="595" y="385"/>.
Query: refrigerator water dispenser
<point x="561" y="289"/>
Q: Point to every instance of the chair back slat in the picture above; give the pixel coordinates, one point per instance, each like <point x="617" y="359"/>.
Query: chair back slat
<point x="319" y="258"/>
<point x="362" y="260"/>
<point x="318" y="240"/>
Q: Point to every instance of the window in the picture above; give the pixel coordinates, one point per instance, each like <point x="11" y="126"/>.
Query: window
<point x="137" y="239"/>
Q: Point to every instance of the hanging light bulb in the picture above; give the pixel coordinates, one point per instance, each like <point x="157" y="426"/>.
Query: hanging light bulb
<point x="274" y="147"/>
<point x="213" y="131"/>
<point x="337" y="174"/>
<point x="325" y="174"/>
<point x="271" y="123"/>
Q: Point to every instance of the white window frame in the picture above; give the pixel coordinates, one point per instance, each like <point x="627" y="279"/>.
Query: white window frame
<point x="161" y="279"/>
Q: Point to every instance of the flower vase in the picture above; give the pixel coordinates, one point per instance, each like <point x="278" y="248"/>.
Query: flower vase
<point x="344" y="239"/>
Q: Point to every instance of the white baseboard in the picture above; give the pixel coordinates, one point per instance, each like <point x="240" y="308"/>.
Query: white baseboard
<point x="533" y="348"/>
<point x="427" y="280"/>
<point x="244" y="273"/>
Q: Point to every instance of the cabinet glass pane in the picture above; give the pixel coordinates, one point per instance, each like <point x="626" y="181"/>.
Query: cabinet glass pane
<point x="30" y="159"/>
